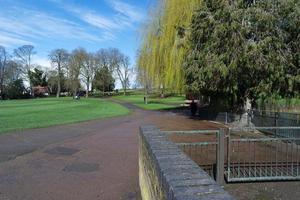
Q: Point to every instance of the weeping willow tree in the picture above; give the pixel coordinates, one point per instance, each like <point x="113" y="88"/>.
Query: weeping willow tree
<point x="164" y="44"/>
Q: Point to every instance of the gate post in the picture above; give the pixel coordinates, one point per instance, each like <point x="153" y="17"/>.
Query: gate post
<point x="276" y="122"/>
<point x="220" y="156"/>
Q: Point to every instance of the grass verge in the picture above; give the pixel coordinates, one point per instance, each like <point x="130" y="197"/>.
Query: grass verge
<point x="36" y="113"/>
<point x="153" y="103"/>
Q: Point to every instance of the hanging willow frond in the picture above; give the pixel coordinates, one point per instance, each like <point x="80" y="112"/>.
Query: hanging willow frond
<point x="163" y="49"/>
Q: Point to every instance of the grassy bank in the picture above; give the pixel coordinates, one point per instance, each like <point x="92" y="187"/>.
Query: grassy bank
<point x="281" y="105"/>
<point x="35" y="113"/>
<point x="153" y="103"/>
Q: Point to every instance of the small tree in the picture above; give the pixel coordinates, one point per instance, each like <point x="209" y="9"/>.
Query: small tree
<point x="16" y="89"/>
<point x="73" y="70"/>
<point x="52" y="82"/>
<point x="24" y="57"/>
<point x="87" y="70"/>
<point x="121" y="66"/>
<point x="59" y="60"/>
<point x="104" y="80"/>
<point x="37" y="77"/>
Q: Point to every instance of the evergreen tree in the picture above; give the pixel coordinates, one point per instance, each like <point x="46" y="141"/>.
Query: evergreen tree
<point x="104" y="80"/>
<point x="244" y="49"/>
<point x="16" y="90"/>
<point x="37" y="77"/>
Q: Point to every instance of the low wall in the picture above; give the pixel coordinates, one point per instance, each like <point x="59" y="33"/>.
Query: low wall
<point x="166" y="173"/>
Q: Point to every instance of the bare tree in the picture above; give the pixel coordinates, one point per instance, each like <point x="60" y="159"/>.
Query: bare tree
<point x="24" y="56"/>
<point x="88" y="70"/>
<point x="124" y="71"/>
<point x="3" y="64"/>
<point x="103" y="64"/>
<point x="59" y="60"/>
<point x="12" y="72"/>
<point x="52" y="80"/>
<point x="121" y="65"/>
<point x="76" y="62"/>
<point x="104" y="59"/>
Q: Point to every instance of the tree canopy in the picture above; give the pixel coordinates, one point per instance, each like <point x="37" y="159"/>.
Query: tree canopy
<point x="104" y="80"/>
<point x="244" y="49"/>
<point x="163" y="47"/>
<point x="37" y="77"/>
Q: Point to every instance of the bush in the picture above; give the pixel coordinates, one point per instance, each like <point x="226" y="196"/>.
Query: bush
<point x="17" y="90"/>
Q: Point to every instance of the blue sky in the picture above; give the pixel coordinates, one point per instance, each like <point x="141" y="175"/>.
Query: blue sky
<point x="92" y="24"/>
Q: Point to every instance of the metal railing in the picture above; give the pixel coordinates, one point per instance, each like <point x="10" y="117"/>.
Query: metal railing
<point x="260" y="118"/>
<point x="243" y="155"/>
<point x="205" y="147"/>
<point x="254" y="156"/>
<point x="276" y="119"/>
<point x="203" y="153"/>
<point x="264" y="118"/>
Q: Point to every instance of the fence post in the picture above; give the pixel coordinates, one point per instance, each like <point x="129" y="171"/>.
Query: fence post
<point x="220" y="156"/>
<point x="276" y="122"/>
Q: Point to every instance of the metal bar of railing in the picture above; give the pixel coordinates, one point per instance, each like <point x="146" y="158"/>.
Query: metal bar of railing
<point x="191" y="132"/>
<point x="262" y="139"/>
<point x="263" y="178"/>
<point x="281" y="147"/>
<point x="228" y="156"/>
<point x="265" y="128"/>
<point x="276" y="159"/>
<point x="297" y="167"/>
<point x="196" y="143"/>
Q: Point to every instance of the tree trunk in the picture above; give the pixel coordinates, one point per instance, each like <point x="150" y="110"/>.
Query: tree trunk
<point x="124" y="90"/>
<point x="87" y="87"/>
<point x="30" y="84"/>
<point x="58" y="82"/>
<point x="2" y="80"/>
<point x="1" y="86"/>
<point x="58" y="87"/>
<point x="74" y="92"/>
<point x="162" y="94"/>
<point x="146" y="96"/>
<point x="103" y="89"/>
<point x="31" y="88"/>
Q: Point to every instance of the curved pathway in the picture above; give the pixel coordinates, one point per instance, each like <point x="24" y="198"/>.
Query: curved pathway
<point x="89" y="160"/>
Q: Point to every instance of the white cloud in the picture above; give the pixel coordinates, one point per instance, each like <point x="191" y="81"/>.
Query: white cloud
<point x="41" y="61"/>
<point x="123" y="17"/>
<point x="10" y="40"/>
<point x="26" y="25"/>
<point x="131" y="12"/>
<point x="99" y="21"/>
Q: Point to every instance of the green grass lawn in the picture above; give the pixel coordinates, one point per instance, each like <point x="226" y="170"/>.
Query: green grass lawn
<point x="153" y="103"/>
<point x="35" y="113"/>
<point x="281" y="104"/>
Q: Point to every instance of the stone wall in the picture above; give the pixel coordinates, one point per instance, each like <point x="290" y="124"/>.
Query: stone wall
<point x="166" y="173"/>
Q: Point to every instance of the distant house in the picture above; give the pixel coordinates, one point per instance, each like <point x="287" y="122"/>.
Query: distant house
<point x="40" y="90"/>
